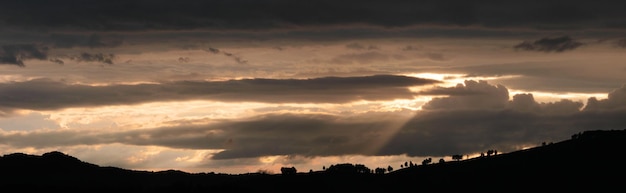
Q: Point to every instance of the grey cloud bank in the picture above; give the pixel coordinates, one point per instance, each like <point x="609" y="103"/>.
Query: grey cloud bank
<point x="17" y="53"/>
<point x="433" y="132"/>
<point x="556" y="44"/>
<point x="44" y="94"/>
<point x="245" y="14"/>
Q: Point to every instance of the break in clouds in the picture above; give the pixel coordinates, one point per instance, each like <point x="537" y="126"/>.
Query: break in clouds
<point x="471" y="117"/>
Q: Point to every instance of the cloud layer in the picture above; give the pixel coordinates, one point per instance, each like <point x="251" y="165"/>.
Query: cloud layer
<point x="557" y="44"/>
<point x="244" y="14"/>
<point x="16" y="54"/>
<point x="44" y="94"/>
<point x="455" y="129"/>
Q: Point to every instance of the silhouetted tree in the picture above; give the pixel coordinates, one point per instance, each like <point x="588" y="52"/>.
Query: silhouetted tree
<point x="288" y="170"/>
<point x="406" y="164"/>
<point x="389" y="168"/>
<point x="348" y="168"/>
<point x="442" y="161"/>
<point x="379" y="170"/>
<point x="360" y="168"/>
<point x="457" y="157"/>
<point x="427" y="161"/>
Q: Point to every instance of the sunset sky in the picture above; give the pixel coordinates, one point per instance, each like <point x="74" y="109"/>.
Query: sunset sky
<point x="238" y="86"/>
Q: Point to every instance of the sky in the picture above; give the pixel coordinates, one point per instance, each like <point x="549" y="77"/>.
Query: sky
<point x="244" y="86"/>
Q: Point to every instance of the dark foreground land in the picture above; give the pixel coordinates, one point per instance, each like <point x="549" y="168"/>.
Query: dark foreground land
<point x="589" y="162"/>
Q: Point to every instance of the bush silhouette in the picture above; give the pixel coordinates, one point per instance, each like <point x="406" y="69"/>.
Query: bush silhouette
<point x="457" y="157"/>
<point x="347" y="168"/>
<point x="288" y="170"/>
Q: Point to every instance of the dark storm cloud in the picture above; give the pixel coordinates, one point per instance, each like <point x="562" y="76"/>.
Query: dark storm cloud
<point x="247" y="14"/>
<point x="474" y="94"/>
<point x="520" y="122"/>
<point x="616" y="100"/>
<point x="213" y="50"/>
<point x="515" y="122"/>
<point x="237" y="59"/>
<point x="97" y="41"/>
<point x="42" y="94"/>
<point x="56" y="60"/>
<point x="485" y="96"/>
<point x="99" y="57"/>
<point x="556" y="44"/>
<point x="526" y="103"/>
<point x="16" y="54"/>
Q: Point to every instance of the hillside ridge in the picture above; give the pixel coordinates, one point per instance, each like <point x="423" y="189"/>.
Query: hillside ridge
<point x="589" y="160"/>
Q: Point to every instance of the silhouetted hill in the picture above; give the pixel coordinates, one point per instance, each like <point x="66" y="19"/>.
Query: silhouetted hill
<point x="590" y="161"/>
